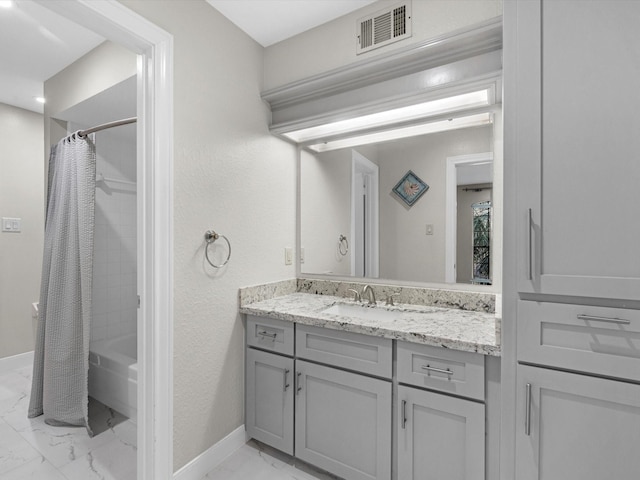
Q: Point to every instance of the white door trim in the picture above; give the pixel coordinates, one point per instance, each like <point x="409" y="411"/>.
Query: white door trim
<point x="451" y="222"/>
<point x="154" y="46"/>
<point x="359" y="166"/>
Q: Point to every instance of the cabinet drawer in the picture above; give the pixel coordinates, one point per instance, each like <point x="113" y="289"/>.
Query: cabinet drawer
<point x="362" y="353"/>
<point x="451" y="371"/>
<point x="270" y="334"/>
<point x="600" y="340"/>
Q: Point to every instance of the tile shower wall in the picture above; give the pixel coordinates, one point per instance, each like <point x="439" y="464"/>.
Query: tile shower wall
<point x="114" y="264"/>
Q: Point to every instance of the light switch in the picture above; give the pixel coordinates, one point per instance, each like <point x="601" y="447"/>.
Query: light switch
<point x="429" y="229"/>
<point x="301" y="254"/>
<point x="288" y="255"/>
<point x="13" y="225"/>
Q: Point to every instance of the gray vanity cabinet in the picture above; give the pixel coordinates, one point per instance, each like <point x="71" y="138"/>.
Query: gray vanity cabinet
<point x="572" y="112"/>
<point x="576" y="427"/>
<point x="439" y="437"/>
<point x="269" y="399"/>
<point x="343" y="422"/>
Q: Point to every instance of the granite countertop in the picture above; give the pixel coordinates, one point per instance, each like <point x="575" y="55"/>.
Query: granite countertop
<point x="441" y="327"/>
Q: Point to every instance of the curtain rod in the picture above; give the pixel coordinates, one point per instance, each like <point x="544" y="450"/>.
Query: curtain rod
<point x="104" y="126"/>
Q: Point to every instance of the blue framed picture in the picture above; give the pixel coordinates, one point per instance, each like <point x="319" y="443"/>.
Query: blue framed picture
<point x="410" y="188"/>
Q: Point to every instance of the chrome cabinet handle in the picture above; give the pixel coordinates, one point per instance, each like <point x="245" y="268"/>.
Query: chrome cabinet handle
<point x="284" y="381"/>
<point x="530" y="247"/>
<point x="404" y="414"/>
<point x="527" y="409"/>
<point x="621" y="321"/>
<point x="439" y="370"/>
<point x="272" y="336"/>
<point x="298" y="383"/>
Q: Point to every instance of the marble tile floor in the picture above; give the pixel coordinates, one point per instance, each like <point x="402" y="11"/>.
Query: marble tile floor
<point x="31" y="449"/>
<point x="255" y="461"/>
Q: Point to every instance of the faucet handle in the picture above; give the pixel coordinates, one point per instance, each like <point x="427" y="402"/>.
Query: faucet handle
<point x="390" y="298"/>
<point x="356" y="295"/>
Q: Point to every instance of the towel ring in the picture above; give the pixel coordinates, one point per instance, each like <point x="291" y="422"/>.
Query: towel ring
<point x="343" y="245"/>
<point x="210" y="237"/>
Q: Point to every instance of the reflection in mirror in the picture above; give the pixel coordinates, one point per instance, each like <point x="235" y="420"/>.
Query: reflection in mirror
<point x="348" y="193"/>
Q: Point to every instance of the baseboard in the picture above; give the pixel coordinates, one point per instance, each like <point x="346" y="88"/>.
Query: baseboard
<point x="212" y="457"/>
<point x="21" y="360"/>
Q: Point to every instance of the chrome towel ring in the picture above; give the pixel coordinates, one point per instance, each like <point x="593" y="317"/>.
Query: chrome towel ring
<point x="343" y="245"/>
<point x="210" y="237"/>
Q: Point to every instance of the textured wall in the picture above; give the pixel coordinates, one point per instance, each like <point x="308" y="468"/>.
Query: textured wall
<point x="22" y="196"/>
<point x="333" y="44"/>
<point x="232" y="175"/>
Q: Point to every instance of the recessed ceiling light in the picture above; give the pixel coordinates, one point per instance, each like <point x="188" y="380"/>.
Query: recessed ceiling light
<point x="6" y="3"/>
<point x="40" y="99"/>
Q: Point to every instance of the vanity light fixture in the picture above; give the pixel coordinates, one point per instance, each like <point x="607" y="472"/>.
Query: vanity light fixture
<point x="479" y="98"/>
<point x="39" y="99"/>
<point x="6" y="3"/>
<point x="475" y="120"/>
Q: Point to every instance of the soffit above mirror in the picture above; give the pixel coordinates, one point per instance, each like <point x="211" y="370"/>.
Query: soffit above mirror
<point x="459" y="63"/>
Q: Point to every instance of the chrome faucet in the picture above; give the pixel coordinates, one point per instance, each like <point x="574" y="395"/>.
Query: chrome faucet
<point x="372" y="296"/>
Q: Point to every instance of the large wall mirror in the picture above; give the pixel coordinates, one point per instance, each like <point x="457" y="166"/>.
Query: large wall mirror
<point x="353" y="223"/>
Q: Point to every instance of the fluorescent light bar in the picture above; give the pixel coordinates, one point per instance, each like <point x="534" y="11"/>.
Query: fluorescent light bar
<point x="395" y="134"/>
<point x="40" y="99"/>
<point x="6" y="3"/>
<point x="412" y="112"/>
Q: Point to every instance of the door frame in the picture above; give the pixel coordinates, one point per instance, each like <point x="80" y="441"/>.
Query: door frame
<point x="451" y="208"/>
<point x="359" y="165"/>
<point x="154" y="47"/>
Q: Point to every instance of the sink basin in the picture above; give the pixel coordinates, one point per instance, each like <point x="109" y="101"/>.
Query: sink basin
<point x="360" y="311"/>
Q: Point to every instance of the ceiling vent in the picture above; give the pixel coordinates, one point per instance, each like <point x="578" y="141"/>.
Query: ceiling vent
<point x="384" y="27"/>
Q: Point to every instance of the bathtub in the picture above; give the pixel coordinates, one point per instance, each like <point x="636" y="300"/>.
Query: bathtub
<point x="113" y="374"/>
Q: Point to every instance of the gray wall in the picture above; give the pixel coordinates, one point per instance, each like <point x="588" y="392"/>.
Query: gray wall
<point x="21" y="196"/>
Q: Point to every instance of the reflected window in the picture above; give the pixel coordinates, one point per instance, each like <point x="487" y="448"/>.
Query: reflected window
<point x="482" y="243"/>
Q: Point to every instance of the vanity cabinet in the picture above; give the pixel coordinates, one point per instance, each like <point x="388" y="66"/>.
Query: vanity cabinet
<point x="343" y="422"/>
<point x="270" y="399"/>
<point x="573" y="93"/>
<point x="576" y="427"/>
<point x="440" y="436"/>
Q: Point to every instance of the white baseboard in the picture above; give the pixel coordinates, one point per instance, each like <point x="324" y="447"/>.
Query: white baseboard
<point x="8" y="364"/>
<point x="212" y="457"/>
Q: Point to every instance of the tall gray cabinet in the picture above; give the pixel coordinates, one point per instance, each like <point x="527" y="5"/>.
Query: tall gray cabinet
<point x="573" y="132"/>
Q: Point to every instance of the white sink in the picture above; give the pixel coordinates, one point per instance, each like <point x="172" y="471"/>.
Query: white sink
<point x="361" y="311"/>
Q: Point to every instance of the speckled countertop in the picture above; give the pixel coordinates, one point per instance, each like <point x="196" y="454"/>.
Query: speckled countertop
<point x="441" y="327"/>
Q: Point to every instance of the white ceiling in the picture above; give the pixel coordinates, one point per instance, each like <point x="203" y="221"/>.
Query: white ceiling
<point x="271" y="21"/>
<point x="35" y="44"/>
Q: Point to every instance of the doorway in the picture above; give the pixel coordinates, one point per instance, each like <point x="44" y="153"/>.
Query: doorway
<point x="364" y="217"/>
<point x="154" y="131"/>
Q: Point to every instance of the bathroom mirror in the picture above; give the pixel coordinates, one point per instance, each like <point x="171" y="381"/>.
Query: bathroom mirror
<point x="354" y="225"/>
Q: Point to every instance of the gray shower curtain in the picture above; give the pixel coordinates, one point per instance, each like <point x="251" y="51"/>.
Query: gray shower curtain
<point x="61" y="362"/>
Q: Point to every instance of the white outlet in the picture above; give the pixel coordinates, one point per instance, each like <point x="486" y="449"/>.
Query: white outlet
<point x="301" y="254"/>
<point x="13" y="225"/>
<point x="429" y="229"/>
<point x="288" y="255"/>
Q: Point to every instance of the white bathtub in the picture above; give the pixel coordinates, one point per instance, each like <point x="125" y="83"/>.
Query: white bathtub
<point x="113" y="374"/>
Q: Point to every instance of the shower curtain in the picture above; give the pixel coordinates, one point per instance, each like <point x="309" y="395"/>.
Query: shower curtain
<point x="61" y="362"/>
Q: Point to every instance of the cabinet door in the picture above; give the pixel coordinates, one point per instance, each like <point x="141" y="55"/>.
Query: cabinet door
<point x="343" y="422"/>
<point x="439" y="437"/>
<point x="575" y="427"/>
<point x="574" y="96"/>
<point x="269" y="399"/>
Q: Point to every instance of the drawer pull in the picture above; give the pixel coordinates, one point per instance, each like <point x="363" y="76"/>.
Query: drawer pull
<point x="621" y="321"/>
<point x="527" y="409"/>
<point x="284" y="381"/>
<point x="404" y="414"/>
<point x="272" y="336"/>
<point x="298" y="383"/>
<point x="438" y="370"/>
